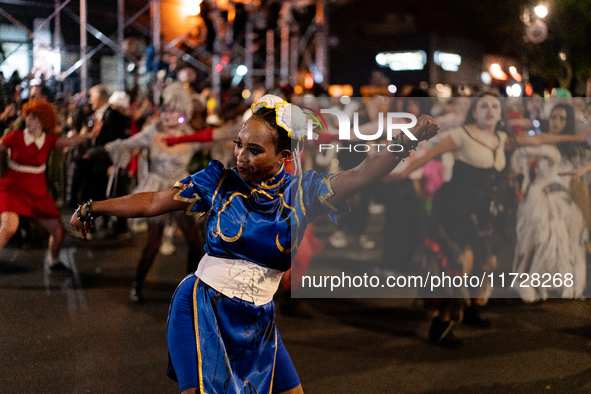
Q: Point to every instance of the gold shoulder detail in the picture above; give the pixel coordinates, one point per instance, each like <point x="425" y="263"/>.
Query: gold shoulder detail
<point x="323" y="199"/>
<point x="190" y="200"/>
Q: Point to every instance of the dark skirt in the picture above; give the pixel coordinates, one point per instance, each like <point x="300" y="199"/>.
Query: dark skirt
<point x="464" y="207"/>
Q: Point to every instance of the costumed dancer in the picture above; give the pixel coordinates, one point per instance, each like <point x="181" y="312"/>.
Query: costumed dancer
<point x="464" y="207"/>
<point x="167" y="164"/>
<point x="551" y="231"/>
<point x="222" y="335"/>
<point x="23" y="188"/>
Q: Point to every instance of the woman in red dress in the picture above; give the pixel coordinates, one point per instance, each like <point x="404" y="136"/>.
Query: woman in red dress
<point x="23" y="189"/>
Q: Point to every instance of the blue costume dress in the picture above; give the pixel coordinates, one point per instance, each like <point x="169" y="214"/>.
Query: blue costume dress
<point x="223" y="344"/>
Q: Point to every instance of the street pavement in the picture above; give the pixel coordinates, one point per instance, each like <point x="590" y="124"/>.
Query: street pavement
<point x="78" y="333"/>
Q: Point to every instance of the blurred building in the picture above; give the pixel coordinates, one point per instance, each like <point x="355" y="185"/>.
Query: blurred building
<point x="430" y="44"/>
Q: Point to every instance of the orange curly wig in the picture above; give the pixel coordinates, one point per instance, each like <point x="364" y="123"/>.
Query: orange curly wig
<point x="44" y="112"/>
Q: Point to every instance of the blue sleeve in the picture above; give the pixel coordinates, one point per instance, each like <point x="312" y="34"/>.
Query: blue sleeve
<point x="316" y="189"/>
<point x="200" y="188"/>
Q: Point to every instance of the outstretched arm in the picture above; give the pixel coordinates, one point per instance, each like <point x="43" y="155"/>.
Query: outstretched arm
<point x="132" y="206"/>
<point x="540" y="139"/>
<point x="446" y="145"/>
<point x="225" y="132"/>
<point x="65" y="142"/>
<point x="376" y="166"/>
<point x="578" y="172"/>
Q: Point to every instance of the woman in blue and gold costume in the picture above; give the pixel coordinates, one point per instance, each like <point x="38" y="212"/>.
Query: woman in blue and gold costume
<point x="222" y="335"/>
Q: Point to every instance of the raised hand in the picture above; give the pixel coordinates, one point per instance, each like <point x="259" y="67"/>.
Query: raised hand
<point x="426" y="128"/>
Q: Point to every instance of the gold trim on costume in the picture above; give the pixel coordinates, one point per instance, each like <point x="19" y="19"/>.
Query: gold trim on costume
<point x="199" y="361"/>
<point x="295" y="214"/>
<point x="229" y="239"/>
<point x="182" y="186"/>
<point x="264" y="185"/>
<point x="192" y="201"/>
<point x="218" y="188"/>
<point x="219" y="231"/>
<point x="281" y="248"/>
<point x="323" y="199"/>
<point x="302" y="201"/>
<point x="274" y="360"/>
<point x="187" y="277"/>
<point x="237" y="236"/>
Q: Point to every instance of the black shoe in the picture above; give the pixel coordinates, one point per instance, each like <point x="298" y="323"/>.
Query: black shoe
<point x="135" y="294"/>
<point x="441" y="334"/>
<point x="59" y="266"/>
<point x="473" y="319"/>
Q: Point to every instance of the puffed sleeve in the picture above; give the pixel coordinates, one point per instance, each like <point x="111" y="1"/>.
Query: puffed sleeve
<point x="199" y="188"/>
<point x="315" y="190"/>
<point x="457" y="135"/>
<point x="118" y="149"/>
<point x="143" y="139"/>
<point x="8" y="140"/>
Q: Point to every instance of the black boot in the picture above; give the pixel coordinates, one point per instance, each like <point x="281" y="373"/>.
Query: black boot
<point x="472" y="318"/>
<point x="441" y="334"/>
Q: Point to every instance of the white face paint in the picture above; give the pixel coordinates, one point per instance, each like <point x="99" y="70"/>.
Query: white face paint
<point x="487" y="112"/>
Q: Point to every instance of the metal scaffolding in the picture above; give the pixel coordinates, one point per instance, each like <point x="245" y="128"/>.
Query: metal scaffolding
<point x="292" y="47"/>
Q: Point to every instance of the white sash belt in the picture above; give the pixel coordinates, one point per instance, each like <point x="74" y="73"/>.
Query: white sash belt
<point x="240" y="278"/>
<point x="28" y="169"/>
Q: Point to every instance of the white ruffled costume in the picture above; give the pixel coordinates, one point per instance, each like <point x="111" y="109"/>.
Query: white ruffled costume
<point x="550" y="225"/>
<point x="167" y="164"/>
